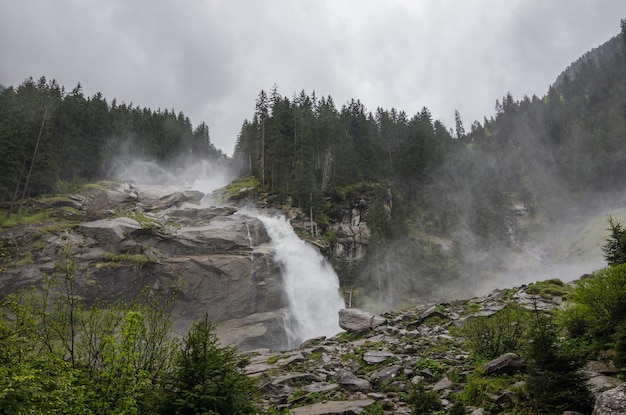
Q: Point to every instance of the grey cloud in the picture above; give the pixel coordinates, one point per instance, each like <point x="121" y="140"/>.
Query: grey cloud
<point x="209" y="59"/>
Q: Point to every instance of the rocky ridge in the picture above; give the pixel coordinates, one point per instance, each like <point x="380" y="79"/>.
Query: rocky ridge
<point x="372" y="367"/>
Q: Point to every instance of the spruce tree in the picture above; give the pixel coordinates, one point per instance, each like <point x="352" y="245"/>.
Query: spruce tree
<point x="555" y="379"/>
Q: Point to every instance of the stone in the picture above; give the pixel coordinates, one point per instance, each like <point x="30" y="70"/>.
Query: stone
<point x="333" y="407"/>
<point x="387" y="373"/>
<point x="600" y="383"/>
<point x="376" y="356"/>
<point x="110" y="231"/>
<point x="508" y="363"/>
<point x="355" y="320"/>
<point x="443" y="383"/>
<point x="611" y="402"/>
<point x="351" y="382"/>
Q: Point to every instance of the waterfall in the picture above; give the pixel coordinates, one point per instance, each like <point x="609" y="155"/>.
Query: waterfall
<point x="310" y="284"/>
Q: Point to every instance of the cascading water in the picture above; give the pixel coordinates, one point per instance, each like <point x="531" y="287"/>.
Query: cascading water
<point x="311" y="285"/>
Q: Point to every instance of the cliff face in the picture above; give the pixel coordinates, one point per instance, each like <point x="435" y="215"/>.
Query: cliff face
<point x="127" y="240"/>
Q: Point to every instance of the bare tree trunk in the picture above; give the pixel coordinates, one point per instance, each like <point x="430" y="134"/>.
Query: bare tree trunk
<point x="30" y="170"/>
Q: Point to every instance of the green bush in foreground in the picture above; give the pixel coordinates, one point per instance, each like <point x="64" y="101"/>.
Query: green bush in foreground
<point x="58" y="356"/>
<point x="492" y="336"/>
<point x="602" y="297"/>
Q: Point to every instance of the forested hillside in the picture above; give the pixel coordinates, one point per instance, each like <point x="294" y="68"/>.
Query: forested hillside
<point x="51" y="138"/>
<point x="548" y="159"/>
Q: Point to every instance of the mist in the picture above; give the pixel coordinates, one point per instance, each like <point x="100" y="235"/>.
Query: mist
<point x="184" y="170"/>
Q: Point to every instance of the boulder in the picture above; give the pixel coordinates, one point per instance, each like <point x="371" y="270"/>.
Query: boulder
<point x="261" y="330"/>
<point x="387" y="373"/>
<point x="107" y="201"/>
<point x="377" y="356"/>
<point x="611" y="402"/>
<point x="351" y="382"/>
<point x="355" y="320"/>
<point x="508" y="363"/>
<point x="110" y="230"/>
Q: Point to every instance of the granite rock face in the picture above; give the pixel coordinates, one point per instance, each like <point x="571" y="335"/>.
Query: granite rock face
<point x="157" y="240"/>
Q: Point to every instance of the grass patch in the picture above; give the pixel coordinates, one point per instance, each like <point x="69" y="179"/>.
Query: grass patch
<point x="550" y="288"/>
<point x="23" y="217"/>
<point x="238" y="189"/>
<point x="111" y="260"/>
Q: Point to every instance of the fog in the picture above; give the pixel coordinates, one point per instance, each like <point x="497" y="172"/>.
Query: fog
<point x="203" y="175"/>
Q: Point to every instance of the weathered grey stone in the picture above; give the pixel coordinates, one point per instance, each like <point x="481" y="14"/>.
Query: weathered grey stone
<point x="254" y="331"/>
<point x="377" y="356"/>
<point x="443" y="383"/>
<point x="356" y="320"/>
<point x="333" y="407"/>
<point x="161" y="197"/>
<point x="110" y="231"/>
<point x="387" y="373"/>
<point x="351" y="382"/>
<point x="507" y="363"/>
<point x="611" y="402"/>
<point x="600" y="383"/>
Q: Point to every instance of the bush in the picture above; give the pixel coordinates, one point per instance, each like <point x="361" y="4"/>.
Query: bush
<point x="492" y="336"/>
<point x="602" y="297"/>
<point x="424" y="402"/>
<point x="208" y="379"/>
<point x="555" y="378"/>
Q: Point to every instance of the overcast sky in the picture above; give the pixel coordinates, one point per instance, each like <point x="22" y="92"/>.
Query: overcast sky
<point x="210" y="58"/>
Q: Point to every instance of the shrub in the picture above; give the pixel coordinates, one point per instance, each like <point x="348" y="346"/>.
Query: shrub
<point x="492" y="336"/>
<point x="555" y="378"/>
<point x="602" y="297"/>
<point x="424" y="402"/>
<point x="208" y="378"/>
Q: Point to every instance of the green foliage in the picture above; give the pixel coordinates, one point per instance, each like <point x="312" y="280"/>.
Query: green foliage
<point x="492" y="336"/>
<point x="59" y="357"/>
<point x="602" y="296"/>
<point x="550" y="288"/>
<point x="615" y="247"/>
<point x="373" y="409"/>
<point x="424" y="402"/>
<point x="555" y="381"/>
<point x="619" y="349"/>
<point x="207" y="378"/>
<point x="457" y="408"/>
<point x="475" y="390"/>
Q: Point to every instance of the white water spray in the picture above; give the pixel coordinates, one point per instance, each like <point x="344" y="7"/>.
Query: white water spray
<point x="310" y="284"/>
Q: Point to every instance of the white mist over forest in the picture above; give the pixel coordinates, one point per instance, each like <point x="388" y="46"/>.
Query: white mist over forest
<point x="202" y="175"/>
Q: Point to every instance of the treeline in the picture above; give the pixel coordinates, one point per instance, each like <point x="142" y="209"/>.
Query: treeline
<point x="50" y="137"/>
<point x="554" y="156"/>
<point x="306" y="148"/>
